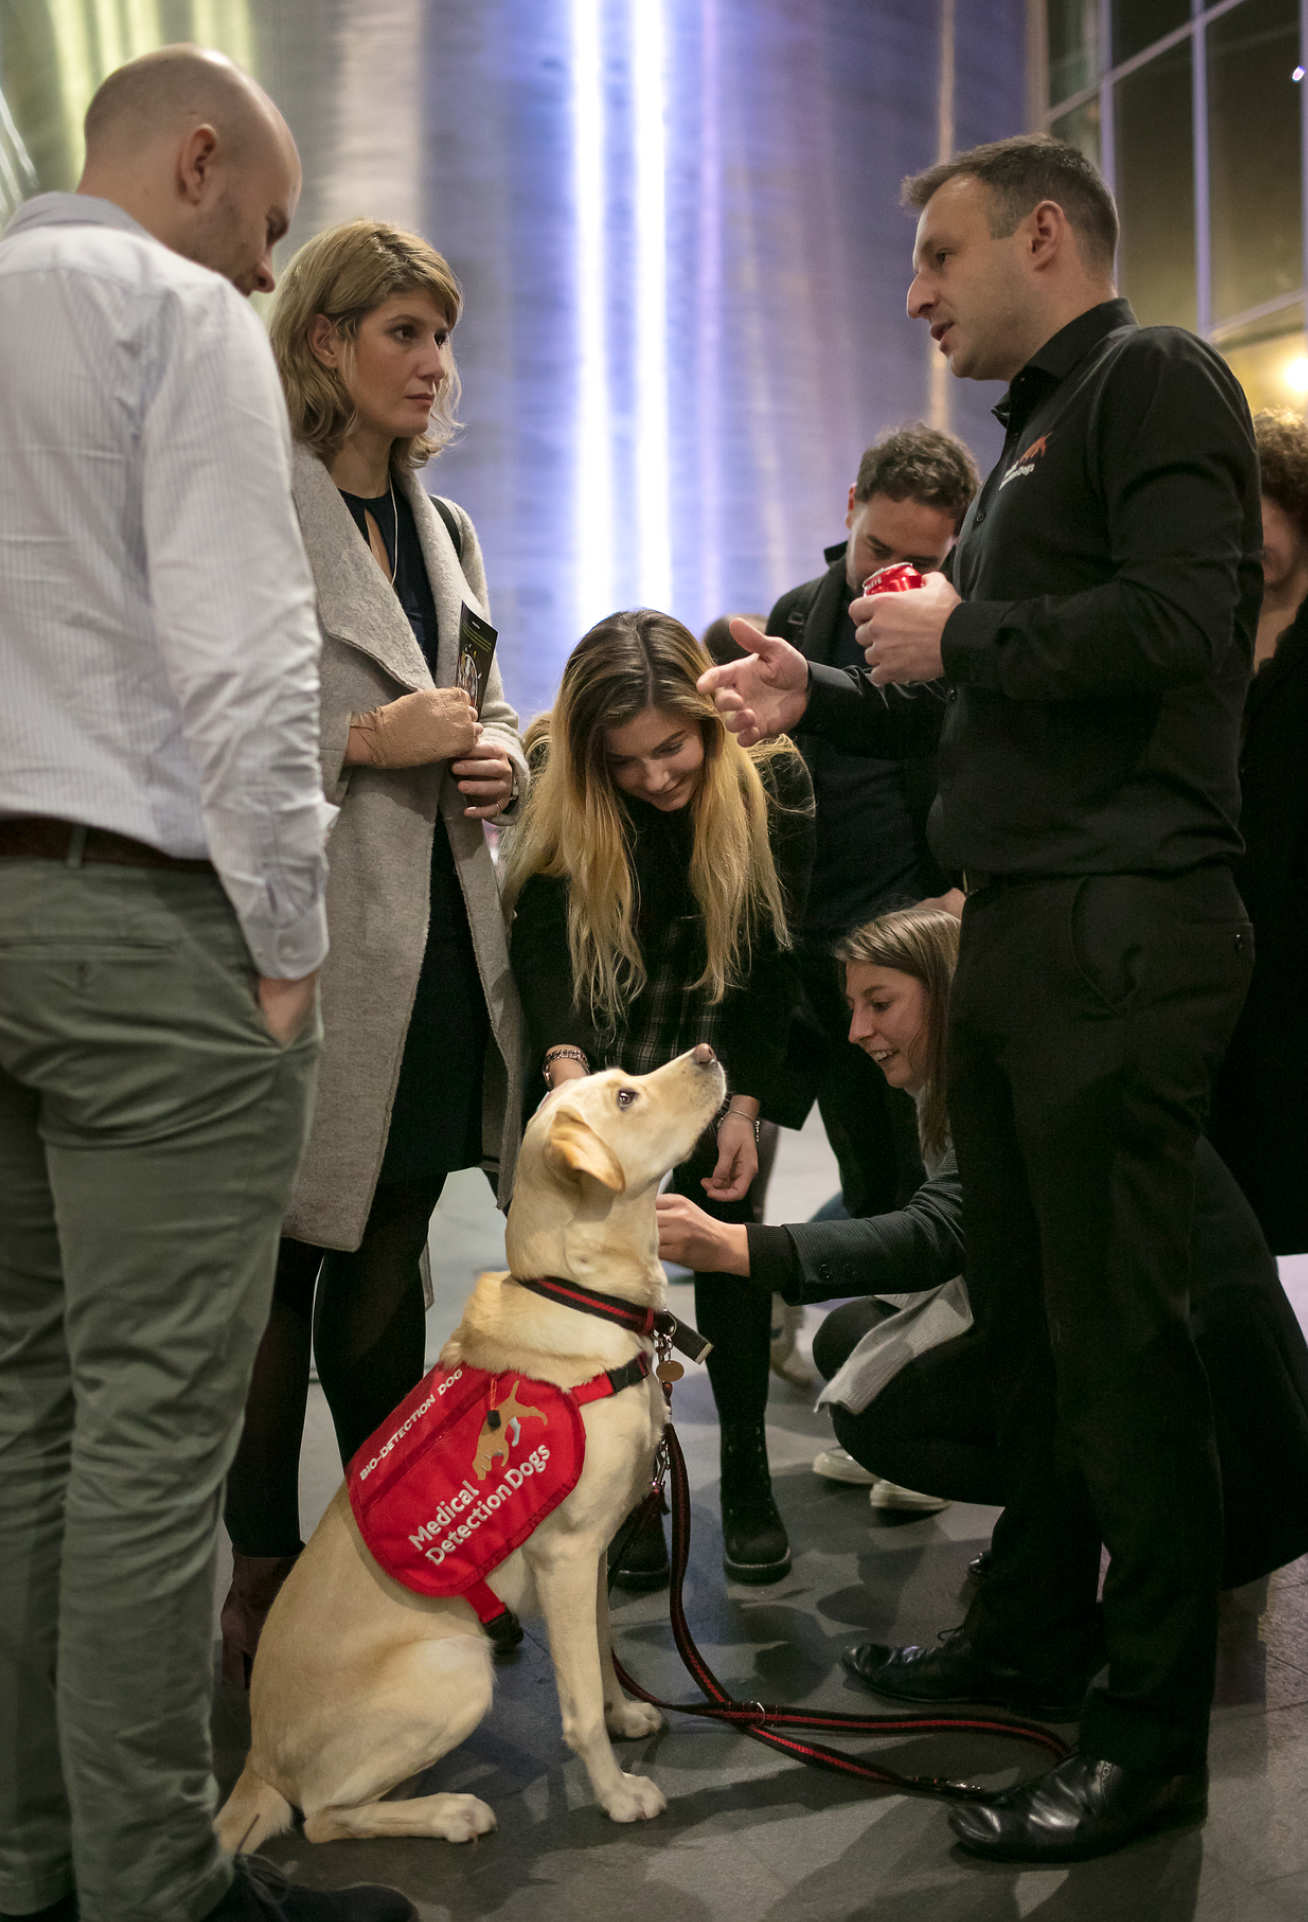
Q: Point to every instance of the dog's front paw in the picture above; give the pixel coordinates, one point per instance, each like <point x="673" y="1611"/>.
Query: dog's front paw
<point x="636" y="1799"/>
<point x="628" y="1720"/>
<point x="465" y="1818"/>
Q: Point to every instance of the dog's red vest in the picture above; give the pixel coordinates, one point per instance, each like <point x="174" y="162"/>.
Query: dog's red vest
<point x="464" y="1469"/>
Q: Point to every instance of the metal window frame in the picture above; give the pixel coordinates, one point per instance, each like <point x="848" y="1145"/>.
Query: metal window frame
<point x="1196" y="31"/>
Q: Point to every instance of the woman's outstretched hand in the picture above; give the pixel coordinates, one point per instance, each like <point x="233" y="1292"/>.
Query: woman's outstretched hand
<point x="695" y="1240"/>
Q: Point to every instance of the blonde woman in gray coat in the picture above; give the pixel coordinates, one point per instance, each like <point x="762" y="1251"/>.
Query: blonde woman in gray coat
<point x="420" y="1071"/>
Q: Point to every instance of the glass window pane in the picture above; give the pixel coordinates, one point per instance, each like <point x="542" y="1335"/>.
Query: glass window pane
<point x="1256" y="186"/>
<point x="1080" y="129"/>
<point x="1073" y="30"/>
<point x="1155" y="189"/>
<point x="1138" y="23"/>
<point x="1269" y="358"/>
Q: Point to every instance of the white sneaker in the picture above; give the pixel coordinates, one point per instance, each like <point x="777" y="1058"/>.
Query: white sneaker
<point x="838" y="1465"/>
<point x="884" y="1494"/>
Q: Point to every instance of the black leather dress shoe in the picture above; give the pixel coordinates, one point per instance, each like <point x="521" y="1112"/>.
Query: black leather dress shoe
<point x="1080" y="1809"/>
<point x="952" y="1675"/>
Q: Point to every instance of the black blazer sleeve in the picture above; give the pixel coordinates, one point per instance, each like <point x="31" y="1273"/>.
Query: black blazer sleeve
<point x="910" y="1250"/>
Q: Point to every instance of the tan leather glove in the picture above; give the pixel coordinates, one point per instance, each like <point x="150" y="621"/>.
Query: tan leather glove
<point x="435" y="724"/>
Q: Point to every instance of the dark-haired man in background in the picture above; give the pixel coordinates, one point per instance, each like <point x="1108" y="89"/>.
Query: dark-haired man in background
<point x="1095" y="665"/>
<point x="914" y="486"/>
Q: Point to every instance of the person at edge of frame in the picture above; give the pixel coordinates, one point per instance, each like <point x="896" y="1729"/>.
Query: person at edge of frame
<point x="1260" y="1109"/>
<point x="162" y="878"/>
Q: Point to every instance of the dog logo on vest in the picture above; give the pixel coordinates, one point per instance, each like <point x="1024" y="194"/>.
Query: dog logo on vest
<point x="500" y="1431"/>
<point x="1026" y="461"/>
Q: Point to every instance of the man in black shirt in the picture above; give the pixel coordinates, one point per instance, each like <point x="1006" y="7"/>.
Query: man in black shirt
<point x="1095" y="667"/>
<point x="907" y="503"/>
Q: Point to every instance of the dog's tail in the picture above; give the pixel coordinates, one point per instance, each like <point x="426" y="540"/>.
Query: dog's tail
<point x="252" y="1812"/>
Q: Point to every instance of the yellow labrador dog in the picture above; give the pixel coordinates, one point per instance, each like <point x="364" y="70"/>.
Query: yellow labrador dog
<point x="359" y="1683"/>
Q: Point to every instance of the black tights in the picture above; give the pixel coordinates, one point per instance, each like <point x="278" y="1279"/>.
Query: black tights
<point x="735" y="1314"/>
<point x="364" y="1314"/>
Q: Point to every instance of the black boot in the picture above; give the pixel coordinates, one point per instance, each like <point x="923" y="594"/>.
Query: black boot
<point x="261" y="1893"/>
<point x="754" y="1545"/>
<point x="642" y="1562"/>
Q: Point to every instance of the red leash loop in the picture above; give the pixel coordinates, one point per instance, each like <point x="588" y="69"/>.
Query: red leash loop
<point x="763" y="1722"/>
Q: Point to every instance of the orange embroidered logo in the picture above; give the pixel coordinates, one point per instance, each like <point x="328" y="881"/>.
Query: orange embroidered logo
<point x="495" y="1438"/>
<point x="1025" y="462"/>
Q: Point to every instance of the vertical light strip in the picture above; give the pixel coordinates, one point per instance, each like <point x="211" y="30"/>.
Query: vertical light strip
<point x="78" y="78"/>
<point x="711" y="543"/>
<point x="237" y="43"/>
<point x="109" y="43"/>
<point x="1203" y="263"/>
<point x="143" y="30"/>
<point x="1107" y="124"/>
<point x="651" y="452"/>
<point x="593" y="563"/>
<point x="1303" y="149"/>
<point x="938" y="376"/>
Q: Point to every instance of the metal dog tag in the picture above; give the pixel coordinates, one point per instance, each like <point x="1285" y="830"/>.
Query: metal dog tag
<point x="669" y="1371"/>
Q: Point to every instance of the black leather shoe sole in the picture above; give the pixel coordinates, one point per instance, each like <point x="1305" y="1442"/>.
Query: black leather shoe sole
<point x="759" y="1572"/>
<point x="923" y="1687"/>
<point x="640" y="1581"/>
<point x="1073" y="1814"/>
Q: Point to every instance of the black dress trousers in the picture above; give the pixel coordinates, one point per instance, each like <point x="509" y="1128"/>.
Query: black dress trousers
<point x="1089" y="1015"/>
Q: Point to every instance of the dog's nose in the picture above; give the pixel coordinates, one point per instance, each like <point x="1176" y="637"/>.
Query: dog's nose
<point x="702" y="1055"/>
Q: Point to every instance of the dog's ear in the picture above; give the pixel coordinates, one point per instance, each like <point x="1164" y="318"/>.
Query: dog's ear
<point x="574" y="1148"/>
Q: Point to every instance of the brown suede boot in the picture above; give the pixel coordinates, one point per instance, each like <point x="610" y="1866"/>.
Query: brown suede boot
<point x="255" y="1582"/>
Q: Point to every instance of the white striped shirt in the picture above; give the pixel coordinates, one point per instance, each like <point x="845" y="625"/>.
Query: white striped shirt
<point x="158" y="638"/>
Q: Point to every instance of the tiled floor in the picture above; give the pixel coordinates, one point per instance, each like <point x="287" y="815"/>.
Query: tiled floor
<point x="749" y="1835"/>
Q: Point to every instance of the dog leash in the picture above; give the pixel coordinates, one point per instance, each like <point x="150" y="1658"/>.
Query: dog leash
<point x="766" y="1723"/>
<point x="762" y="1722"/>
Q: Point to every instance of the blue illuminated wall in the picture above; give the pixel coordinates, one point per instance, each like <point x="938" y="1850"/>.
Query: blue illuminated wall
<point x="677" y="227"/>
<point x="685" y="265"/>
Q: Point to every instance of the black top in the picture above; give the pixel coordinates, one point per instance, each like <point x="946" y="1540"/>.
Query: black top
<point x="871" y="851"/>
<point x="436" y="1116"/>
<point x="749" y="1026"/>
<point x="1111" y="572"/>
<point x="394" y="518"/>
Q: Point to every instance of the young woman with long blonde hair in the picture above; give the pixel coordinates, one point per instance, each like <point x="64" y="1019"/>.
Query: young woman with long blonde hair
<point x="656" y="877"/>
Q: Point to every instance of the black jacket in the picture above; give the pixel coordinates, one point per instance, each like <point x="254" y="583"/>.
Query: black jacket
<point x="1261" y="1114"/>
<point x="811" y="617"/>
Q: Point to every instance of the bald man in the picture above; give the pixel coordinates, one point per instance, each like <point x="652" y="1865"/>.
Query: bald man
<point x="162" y="870"/>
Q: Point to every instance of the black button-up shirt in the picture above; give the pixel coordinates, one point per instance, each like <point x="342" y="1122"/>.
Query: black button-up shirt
<point x="1111" y="578"/>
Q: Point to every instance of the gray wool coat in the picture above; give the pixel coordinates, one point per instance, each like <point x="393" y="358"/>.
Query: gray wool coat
<point x="379" y="859"/>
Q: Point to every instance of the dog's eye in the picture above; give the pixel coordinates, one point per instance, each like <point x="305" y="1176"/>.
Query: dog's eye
<point x="626" y="1096"/>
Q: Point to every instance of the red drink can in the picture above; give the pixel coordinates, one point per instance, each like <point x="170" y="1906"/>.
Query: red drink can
<point x="894" y="580"/>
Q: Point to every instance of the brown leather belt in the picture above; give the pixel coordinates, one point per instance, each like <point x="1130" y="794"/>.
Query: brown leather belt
<point x="27" y="838"/>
